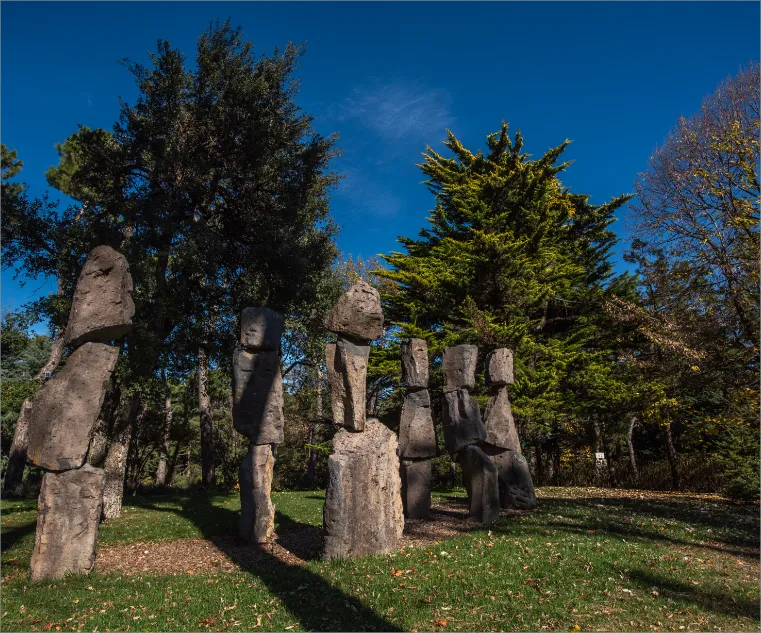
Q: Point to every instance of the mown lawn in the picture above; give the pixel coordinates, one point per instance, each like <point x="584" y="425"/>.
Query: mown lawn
<point x="586" y="559"/>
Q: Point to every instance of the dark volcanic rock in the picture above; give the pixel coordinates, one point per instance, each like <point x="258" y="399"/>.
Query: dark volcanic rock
<point x="258" y="396"/>
<point x="458" y="365"/>
<point x="461" y="421"/>
<point x="357" y="314"/>
<point x="66" y="408"/>
<point x="363" y="511"/>
<point x="516" y="488"/>
<point x="417" y="437"/>
<point x="102" y="308"/>
<point x="416" y="488"/>
<point x="499" y="368"/>
<point x="414" y="363"/>
<point x="500" y="425"/>
<point x="68" y="513"/>
<point x="481" y="482"/>
<point x="261" y="329"/>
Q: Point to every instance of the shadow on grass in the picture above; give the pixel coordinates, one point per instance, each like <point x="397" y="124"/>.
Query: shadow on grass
<point x="14" y="535"/>
<point x="317" y="604"/>
<point x="731" y="526"/>
<point x="715" y="600"/>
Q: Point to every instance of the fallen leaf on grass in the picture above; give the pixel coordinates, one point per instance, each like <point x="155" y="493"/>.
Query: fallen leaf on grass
<point x="576" y="627"/>
<point x="396" y="572"/>
<point x="440" y="622"/>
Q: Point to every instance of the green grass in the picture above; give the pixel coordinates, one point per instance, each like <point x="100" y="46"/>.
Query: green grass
<point x="592" y="559"/>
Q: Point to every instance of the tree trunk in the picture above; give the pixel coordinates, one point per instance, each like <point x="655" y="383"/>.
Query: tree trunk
<point x="630" y="442"/>
<point x="14" y="475"/>
<point x="539" y="461"/>
<point x="56" y="353"/>
<point x="671" y="452"/>
<point x="319" y="410"/>
<point x="172" y="465"/>
<point x="208" y="475"/>
<point x="115" y="465"/>
<point x="160" y="478"/>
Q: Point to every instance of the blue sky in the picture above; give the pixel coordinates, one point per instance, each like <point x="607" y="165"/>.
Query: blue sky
<point x="391" y="78"/>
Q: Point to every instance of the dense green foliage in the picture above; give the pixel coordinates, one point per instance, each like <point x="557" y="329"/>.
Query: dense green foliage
<point x="513" y="259"/>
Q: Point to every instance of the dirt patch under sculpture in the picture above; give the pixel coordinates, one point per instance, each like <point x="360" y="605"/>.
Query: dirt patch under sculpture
<point x="291" y="547"/>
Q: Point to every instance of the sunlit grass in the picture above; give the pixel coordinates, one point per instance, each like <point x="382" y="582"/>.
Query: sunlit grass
<point x="591" y="559"/>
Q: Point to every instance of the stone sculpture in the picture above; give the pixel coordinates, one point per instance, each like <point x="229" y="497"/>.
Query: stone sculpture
<point x="65" y="413"/>
<point x="363" y="512"/>
<point x="417" y="436"/>
<point x="258" y="415"/>
<point x="502" y="444"/>
<point x="464" y="430"/>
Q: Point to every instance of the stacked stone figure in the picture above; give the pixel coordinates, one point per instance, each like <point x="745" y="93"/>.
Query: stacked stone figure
<point x="363" y="504"/>
<point x="464" y="431"/>
<point x="258" y="415"/>
<point x="417" y="437"/>
<point x="516" y="489"/>
<point x="64" y="414"/>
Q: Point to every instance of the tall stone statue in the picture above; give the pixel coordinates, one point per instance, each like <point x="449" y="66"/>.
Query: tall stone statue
<point x="417" y="436"/>
<point x="464" y="431"/>
<point x="516" y="488"/>
<point x="258" y="415"/>
<point x="64" y="414"/>
<point x="363" y="511"/>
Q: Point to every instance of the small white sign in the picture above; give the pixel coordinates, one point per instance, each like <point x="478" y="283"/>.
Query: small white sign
<point x="600" y="455"/>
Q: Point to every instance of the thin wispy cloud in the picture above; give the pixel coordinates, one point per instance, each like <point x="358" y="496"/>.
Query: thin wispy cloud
<point x="399" y="111"/>
<point x="367" y="194"/>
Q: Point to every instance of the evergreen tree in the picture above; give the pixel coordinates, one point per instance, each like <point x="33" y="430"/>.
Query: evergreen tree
<point x="511" y="258"/>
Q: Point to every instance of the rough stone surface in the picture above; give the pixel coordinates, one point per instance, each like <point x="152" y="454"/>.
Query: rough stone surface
<point x="516" y="488"/>
<point x="481" y="482"/>
<point x="363" y="511"/>
<point x="499" y="368"/>
<point x="461" y="421"/>
<point x="417" y="436"/>
<point x="66" y="408"/>
<point x="261" y="329"/>
<point x="102" y="308"/>
<point x="459" y="367"/>
<point x="257" y="512"/>
<point x="416" y="488"/>
<point x="335" y="383"/>
<point x="68" y="512"/>
<point x="353" y="361"/>
<point x="415" y="363"/>
<point x="258" y="396"/>
<point x="357" y="313"/>
<point x="500" y="425"/>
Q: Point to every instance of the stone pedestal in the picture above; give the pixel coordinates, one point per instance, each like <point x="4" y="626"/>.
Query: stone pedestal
<point x="363" y="512"/>
<point x="416" y="488"/>
<point x="257" y="512"/>
<point x="481" y="482"/>
<point x="516" y="488"/>
<point x="68" y="513"/>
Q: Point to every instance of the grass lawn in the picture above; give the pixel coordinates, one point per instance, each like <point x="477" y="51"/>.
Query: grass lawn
<point x="586" y="559"/>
